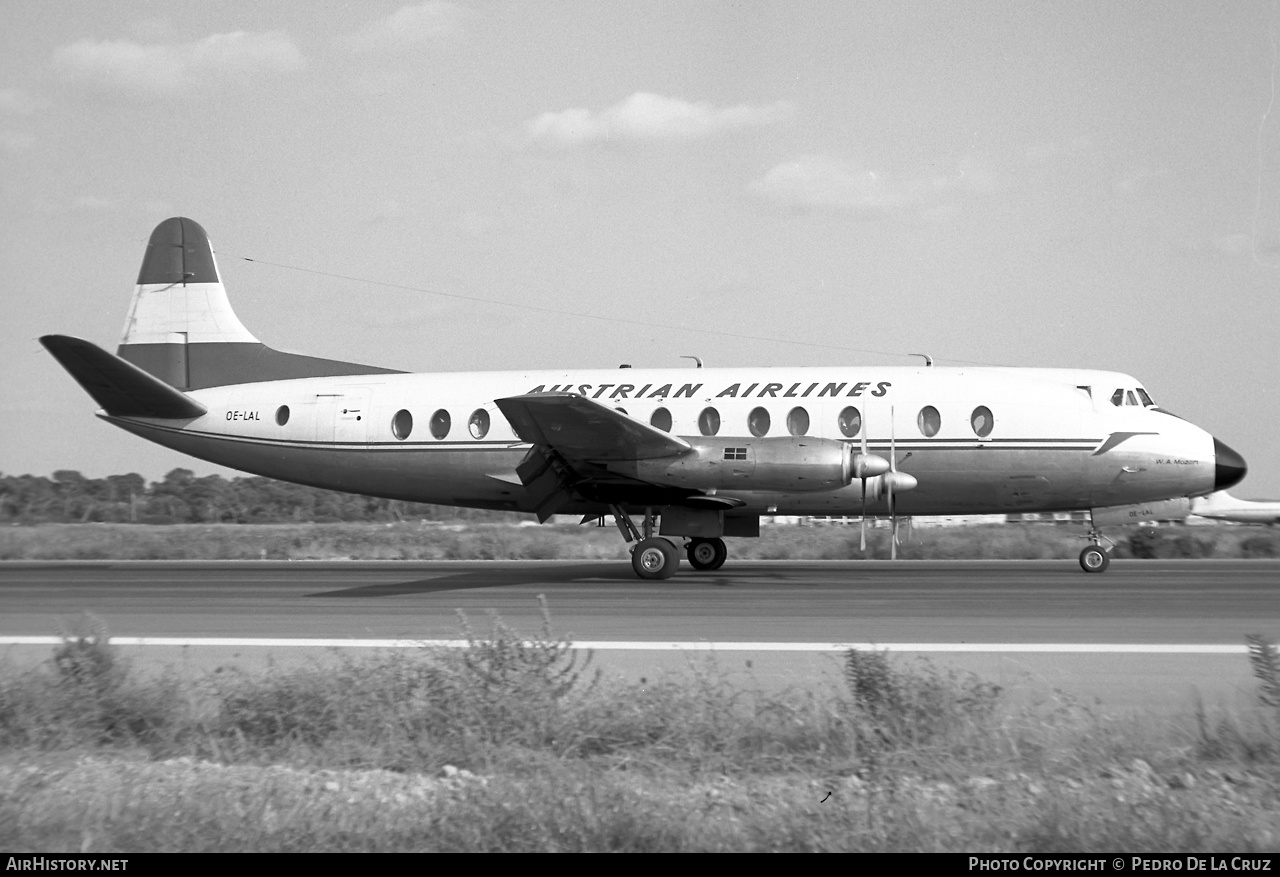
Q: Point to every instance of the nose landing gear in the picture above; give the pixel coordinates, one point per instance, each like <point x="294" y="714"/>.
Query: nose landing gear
<point x="1095" y="559"/>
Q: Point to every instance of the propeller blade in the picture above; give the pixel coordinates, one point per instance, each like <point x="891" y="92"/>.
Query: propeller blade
<point x="893" y="517"/>
<point x="893" y="506"/>
<point x="863" y="522"/>
<point x="864" y="516"/>
<point x="893" y="454"/>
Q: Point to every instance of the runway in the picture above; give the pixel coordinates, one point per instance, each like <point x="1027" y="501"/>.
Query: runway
<point x="1145" y="632"/>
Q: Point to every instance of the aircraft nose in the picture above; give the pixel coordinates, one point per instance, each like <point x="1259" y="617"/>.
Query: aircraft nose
<point x="1230" y="467"/>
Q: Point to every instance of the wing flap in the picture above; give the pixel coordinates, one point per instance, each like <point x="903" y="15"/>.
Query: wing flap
<point x="579" y="428"/>
<point x="120" y="387"/>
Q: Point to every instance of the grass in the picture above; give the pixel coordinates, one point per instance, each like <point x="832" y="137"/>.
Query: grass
<point x="422" y="540"/>
<point x="515" y="744"/>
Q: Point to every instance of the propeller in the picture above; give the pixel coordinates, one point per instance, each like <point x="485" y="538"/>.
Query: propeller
<point x="895" y="482"/>
<point x="867" y="465"/>
<point x="893" y="471"/>
<point x="887" y="481"/>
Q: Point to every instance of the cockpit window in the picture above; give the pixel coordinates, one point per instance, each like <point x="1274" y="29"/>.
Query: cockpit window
<point x="1125" y="396"/>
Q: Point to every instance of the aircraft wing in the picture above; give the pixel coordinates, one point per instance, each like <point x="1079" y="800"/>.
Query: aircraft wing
<point x="571" y="437"/>
<point x="120" y="387"/>
<point x="578" y="428"/>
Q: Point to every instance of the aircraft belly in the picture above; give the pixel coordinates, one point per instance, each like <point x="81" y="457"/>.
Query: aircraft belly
<point x="433" y="474"/>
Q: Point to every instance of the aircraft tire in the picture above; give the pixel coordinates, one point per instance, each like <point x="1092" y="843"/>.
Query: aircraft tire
<point x="707" y="554"/>
<point x="655" y="558"/>
<point x="1094" y="560"/>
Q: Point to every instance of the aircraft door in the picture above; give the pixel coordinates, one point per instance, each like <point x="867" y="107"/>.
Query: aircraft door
<point x="343" y="418"/>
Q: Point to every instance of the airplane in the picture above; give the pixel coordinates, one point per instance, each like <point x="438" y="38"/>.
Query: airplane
<point x="1223" y="506"/>
<point x="674" y="455"/>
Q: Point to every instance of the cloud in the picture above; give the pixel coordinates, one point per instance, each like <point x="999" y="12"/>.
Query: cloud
<point x="845" y="185"/>
<point x="1046" y="151"/>
<point x="15" y="102"/>
<point x="1261" y="247"/>
<point x="1233" y="244"/>
<point x="648" y="117"/>
<point x="16" y="141"/>
<point x="1141" y="180"/>
<point x="383" y="211"/>
<point x="408" y="26"/>
<point x="158" y="69"/>
<point x="93" y="203"/>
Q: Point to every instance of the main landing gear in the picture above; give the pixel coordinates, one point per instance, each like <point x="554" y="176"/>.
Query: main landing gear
<point x="707" y="554"/>
<point x="652" y="557"/>
<point x="655" y="557"/>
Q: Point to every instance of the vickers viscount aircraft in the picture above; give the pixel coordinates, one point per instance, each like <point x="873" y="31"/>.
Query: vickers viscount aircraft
<point x="693" y="455"/>
<point x="1223" y="506"/>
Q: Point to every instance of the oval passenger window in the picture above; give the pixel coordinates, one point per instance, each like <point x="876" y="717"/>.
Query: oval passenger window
<point x="929" y="421"/>
<point x="402" y="424"/>
<point x="850" y="422"/>
<point x="440" y="423"/>
<point x="758" y="422"/>
<point x="709" y="421"/>
<point x="798" y="421"/>
<point x="982" y="421"/>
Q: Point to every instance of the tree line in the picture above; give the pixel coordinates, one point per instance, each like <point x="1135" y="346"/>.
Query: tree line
<point x="182" y="498"/>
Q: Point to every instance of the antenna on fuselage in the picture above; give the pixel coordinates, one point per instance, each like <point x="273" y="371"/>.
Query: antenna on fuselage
<point x="696" y="359"/>
<point x="928" y="360"/>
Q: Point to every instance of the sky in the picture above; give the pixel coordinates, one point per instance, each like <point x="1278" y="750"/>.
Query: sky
<point x="491" y="185"/>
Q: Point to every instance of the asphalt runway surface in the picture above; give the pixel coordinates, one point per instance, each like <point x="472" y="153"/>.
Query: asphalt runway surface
<point x="1146" y="635"/>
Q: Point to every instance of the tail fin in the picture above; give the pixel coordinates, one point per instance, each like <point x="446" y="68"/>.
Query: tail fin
<point x="181" y="327"/>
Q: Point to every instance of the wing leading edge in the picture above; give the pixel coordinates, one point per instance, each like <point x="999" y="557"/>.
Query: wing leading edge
<point x="579" y="428"/>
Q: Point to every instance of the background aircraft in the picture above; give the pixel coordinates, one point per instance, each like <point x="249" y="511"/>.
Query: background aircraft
<point x="1222" y="506"/>
<point x="695" y="454"/>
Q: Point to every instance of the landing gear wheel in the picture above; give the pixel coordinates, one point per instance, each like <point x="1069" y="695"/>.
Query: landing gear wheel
<point x="1094" y="559"/>
<point x="655" y="558"/>
<point x="707" y="554"/>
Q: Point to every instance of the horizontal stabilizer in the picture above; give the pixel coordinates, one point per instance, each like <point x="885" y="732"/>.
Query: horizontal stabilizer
<point x="120" y="387"/>
<point x="580" y="429"/>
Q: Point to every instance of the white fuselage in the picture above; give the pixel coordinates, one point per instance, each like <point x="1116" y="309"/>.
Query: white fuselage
<point x="1055" y="439"/>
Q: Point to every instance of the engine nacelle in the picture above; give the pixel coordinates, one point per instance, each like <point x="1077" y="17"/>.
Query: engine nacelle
<point x="785" y="463"/>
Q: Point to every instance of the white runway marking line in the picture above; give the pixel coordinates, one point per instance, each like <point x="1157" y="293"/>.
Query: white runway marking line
<point x="611" y="645"/>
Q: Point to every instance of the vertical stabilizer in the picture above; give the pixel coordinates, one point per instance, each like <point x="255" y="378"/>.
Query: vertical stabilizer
<point x="181" y="327"/>
<point x="179" y="301"/>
